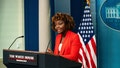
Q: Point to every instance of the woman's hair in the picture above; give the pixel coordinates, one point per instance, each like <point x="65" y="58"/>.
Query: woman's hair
<point x="68" y="20"/>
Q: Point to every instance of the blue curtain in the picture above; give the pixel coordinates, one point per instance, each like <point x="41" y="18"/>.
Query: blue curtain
<point x="31" y="25"/>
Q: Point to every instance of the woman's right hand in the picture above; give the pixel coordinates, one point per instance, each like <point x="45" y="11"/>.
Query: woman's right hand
<point x="50" y="51"/>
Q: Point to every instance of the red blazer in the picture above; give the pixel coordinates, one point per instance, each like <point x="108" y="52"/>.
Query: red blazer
<point x="70" y="46"/>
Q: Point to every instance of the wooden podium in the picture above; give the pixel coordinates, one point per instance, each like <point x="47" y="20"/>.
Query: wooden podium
<point x="31" y="59"/>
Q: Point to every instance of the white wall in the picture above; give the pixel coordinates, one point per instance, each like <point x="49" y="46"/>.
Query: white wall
<point x="11" y="24"/>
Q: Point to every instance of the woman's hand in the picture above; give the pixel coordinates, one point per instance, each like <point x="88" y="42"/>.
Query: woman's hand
<point x="50" y="51"/>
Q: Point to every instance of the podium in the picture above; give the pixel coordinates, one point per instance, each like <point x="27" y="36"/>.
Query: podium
<point x="32" y="59"/>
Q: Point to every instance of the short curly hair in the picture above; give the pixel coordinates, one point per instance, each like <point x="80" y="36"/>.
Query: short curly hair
<point x="69" y="21"/>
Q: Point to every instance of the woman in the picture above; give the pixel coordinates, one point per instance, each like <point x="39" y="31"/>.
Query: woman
<point x="67" y="43"/>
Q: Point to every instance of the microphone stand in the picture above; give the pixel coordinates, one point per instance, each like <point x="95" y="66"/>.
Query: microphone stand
<point x="14" y="41"/>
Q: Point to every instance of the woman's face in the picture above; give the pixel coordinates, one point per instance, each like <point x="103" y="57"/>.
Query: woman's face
<point x="60" y="26"/>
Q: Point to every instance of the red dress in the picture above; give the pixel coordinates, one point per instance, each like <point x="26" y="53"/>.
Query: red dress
<point x="70" y="46"/>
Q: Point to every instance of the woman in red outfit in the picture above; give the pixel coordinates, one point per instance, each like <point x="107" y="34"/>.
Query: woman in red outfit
<point x="67" y="43"/>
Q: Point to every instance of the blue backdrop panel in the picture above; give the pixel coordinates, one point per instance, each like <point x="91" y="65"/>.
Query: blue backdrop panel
<point x="31" y="24"/>
<point x="51" y="14"/>
<point x="108" y="33"/>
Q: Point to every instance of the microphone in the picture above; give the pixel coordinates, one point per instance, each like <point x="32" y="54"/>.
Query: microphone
<point x="48" y="46"/>
<point x="14" y="41"/>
